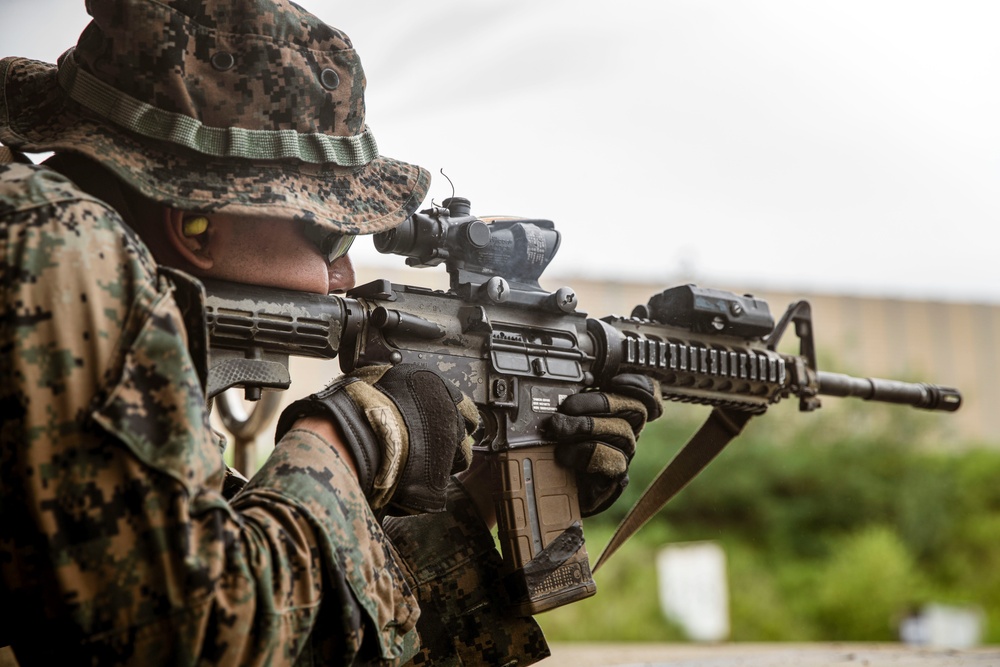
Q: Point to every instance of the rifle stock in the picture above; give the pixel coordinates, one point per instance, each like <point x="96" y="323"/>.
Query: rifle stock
<point x="518" y="351"/>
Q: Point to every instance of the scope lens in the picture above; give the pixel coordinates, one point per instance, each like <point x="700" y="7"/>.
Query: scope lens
<point x="399" y="240"/>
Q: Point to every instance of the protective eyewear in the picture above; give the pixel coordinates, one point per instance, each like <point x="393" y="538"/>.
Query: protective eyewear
<point x="336" y="246"/>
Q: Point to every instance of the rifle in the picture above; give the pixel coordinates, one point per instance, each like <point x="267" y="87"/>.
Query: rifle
<point x="518" y="351"/>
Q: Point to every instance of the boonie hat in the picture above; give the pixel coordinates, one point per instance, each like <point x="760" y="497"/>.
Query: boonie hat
<point x="254" y="107"/>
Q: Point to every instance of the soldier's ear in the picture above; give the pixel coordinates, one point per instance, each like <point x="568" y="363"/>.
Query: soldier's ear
<point x="190" y="235"/>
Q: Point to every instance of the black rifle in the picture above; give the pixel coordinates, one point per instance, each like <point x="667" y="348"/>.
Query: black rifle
<point x="517" y="351"/>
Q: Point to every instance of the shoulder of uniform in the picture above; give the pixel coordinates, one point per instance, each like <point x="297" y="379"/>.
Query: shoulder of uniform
<point x="28" y="186"/>
<point x="39" y="198"/>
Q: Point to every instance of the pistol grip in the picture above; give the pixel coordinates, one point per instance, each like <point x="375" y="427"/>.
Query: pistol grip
<point x="541" y="535"/>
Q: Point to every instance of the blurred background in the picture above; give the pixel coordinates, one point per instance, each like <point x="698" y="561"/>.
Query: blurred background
<point x="838" y="146"/>
<point x="846" y="152"/>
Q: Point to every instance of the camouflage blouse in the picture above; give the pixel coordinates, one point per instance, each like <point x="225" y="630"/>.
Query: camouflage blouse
<point x="116" y="543"/>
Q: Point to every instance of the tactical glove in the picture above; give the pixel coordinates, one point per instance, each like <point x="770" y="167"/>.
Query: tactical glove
<point x="596" y="433"/>
<point x="407" y="428"/>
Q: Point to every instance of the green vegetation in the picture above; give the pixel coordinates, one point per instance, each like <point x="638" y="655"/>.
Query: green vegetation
<point x="835" y="524"/>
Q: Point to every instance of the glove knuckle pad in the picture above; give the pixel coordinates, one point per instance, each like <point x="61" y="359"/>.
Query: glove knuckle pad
<point x="586" y="403"/>
<point x="570" y="428"/>
<point x="430" y="410"/>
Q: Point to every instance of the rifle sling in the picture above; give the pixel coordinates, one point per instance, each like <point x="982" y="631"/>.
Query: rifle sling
<point x="719" y="429"/>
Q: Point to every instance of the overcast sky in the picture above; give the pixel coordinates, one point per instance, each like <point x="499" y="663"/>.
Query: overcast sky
<point x="849" y="146"/>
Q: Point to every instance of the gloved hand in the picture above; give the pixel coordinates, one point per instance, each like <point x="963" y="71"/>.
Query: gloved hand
<point x="408" y="429"/>
<point x="596" y="433"/>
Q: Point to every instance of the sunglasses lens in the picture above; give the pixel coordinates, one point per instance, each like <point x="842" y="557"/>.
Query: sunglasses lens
<point x="336" y="246"/>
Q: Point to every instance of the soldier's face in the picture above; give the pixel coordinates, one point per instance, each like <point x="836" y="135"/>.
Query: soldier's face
<point x="273" y="254"/>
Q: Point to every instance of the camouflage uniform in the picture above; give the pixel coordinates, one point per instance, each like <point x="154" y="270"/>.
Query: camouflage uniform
<point x="117" y="545"/>
<point x="116" y="542"/>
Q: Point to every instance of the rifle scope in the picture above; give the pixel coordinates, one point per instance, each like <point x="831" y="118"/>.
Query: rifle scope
<point x="518" y="249"/>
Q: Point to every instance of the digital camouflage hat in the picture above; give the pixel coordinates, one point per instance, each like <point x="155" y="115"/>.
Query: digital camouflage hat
<point x="252" y="106"/>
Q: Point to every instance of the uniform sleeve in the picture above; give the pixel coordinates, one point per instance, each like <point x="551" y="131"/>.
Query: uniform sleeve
<point x="116" y="544"/>
<point x="453" y="564"/>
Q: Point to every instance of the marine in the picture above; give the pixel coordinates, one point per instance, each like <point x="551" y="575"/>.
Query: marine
<point x="224" y="139"/>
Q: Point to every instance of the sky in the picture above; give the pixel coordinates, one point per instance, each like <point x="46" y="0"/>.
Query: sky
<point x="841" y="147"/>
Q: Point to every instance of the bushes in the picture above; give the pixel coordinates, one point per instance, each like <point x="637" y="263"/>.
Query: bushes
<point x="864" y="587"/>
<point x="832" y="530"/>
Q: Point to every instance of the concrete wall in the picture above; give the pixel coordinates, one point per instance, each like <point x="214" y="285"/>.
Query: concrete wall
<point x="952" y="344"/>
